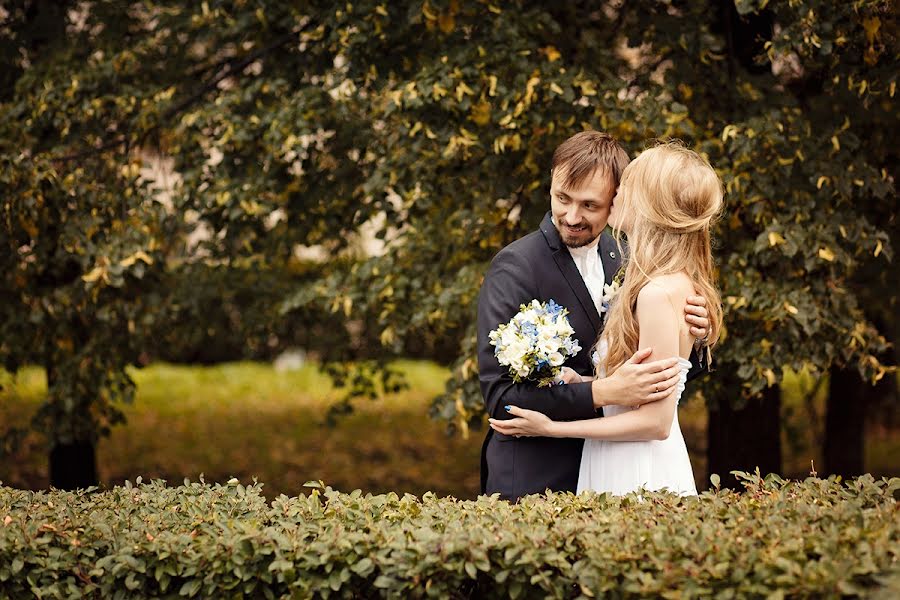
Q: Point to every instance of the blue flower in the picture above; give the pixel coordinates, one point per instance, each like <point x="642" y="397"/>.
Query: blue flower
<point x="530" y="329"/>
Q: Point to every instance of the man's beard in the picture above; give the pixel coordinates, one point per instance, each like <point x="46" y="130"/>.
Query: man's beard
<point x="573" y="242"/>
<point x="578" y="243"/>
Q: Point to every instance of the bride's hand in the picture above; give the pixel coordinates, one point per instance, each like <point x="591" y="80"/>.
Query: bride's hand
<point x="528" y="423"/>
<point x="568" y="375"/>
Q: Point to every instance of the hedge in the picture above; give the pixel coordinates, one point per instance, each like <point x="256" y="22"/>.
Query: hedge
<point x="816" y="538"/>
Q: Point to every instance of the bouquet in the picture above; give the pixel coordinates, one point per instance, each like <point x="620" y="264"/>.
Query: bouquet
<point x="536" y="342"/>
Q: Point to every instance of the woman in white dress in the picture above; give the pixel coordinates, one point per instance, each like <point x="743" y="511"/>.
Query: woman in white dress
<point x="667" y="199"/>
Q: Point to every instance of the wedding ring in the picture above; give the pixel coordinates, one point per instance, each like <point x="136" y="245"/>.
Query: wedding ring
<point x="656" y="388"/>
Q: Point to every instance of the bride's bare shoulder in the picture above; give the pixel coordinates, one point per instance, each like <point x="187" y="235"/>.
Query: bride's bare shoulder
<point x="665" y="290"/>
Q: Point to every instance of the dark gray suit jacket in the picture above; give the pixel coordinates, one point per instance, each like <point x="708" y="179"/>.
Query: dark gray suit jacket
<point x="537" y="266"/>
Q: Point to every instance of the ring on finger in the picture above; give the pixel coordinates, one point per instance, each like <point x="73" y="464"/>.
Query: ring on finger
<point x="656" y="388"/>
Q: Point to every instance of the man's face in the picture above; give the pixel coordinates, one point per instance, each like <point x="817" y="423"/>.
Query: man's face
<point x="580" y="214"/>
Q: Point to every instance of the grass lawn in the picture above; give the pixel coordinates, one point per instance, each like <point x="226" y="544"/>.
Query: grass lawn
<point x="247" y="420"/>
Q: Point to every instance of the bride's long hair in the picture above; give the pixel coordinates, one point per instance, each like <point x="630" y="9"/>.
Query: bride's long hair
<point x="672" y="195"/>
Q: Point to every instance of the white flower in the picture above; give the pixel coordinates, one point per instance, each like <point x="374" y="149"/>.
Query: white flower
<point x="609" y="293"/>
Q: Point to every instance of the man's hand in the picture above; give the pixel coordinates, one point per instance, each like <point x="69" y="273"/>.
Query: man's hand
<point x="636" y="383"/>
<point x="697" y="316"/>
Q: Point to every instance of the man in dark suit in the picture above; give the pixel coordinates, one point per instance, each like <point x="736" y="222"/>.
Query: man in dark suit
<point x="568" y="259"/>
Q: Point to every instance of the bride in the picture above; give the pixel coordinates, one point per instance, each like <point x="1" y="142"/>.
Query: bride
<point x="666" y="201"/>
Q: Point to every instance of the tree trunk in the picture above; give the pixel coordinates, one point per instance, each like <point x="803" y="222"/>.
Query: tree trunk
<point x="845" y="417"/>
<point x="744" y="439"/>
<point x="73" y="466"/>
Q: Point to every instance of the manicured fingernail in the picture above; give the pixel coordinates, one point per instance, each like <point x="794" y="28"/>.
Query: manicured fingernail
<point x="507" y="407"/>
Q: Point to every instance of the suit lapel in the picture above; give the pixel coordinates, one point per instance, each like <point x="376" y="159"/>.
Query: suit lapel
<point x="610" y="256"/>
<point x="567" y="267"/>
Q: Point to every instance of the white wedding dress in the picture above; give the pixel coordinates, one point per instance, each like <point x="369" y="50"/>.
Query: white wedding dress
<point x="623" y="467"/>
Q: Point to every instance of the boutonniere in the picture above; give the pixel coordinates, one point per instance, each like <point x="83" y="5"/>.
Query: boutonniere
<point x="610" y="290"/>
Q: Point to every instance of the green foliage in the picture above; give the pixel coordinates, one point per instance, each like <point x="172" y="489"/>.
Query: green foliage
<point x="817" y="538"/>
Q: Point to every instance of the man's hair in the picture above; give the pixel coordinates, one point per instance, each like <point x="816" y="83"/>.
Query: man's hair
<point x="581" y="155"/>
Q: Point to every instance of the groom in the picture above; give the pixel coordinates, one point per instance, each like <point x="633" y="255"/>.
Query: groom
<point x="569" y="259"/>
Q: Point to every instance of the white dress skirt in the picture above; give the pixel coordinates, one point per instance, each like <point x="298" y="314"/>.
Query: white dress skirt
<point x="623" y="467"/>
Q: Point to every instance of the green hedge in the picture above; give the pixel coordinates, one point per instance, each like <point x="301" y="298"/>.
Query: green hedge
<point x="817" y="538"/>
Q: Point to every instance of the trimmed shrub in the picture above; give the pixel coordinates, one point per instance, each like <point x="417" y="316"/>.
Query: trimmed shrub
<point x="816" y="538"/>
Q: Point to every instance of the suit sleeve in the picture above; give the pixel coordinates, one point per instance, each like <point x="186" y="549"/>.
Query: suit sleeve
<point x="699" y="365"/>
<point x="508" y="284"/>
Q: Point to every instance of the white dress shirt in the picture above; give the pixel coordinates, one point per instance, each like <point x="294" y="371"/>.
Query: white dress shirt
<point x="587" y="259"/>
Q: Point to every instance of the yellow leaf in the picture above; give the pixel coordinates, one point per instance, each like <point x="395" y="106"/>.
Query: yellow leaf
<point x="892" y="88"/>
<point x="775" y="238"/>
<point x="463" y="90"/>
<point x="426" y="10"/>
<point x="826" y="254"/>
<point x="736" y="301"/>
<point x="481" y="113"/>
<point x="770" y="377"/>
<point x="492" y="85"/>
<point x="387" y="336"/>
<point x="790" y="308"/>
<point x="462" y="416"/>
<point x="29" y="226"/>
<point x="415" y="129"/>
<point x="835" y="143"/>
<point x="468" y="367"/>
<point x="730" y="131"/>
<point x="871" y="25"/>
<point x="139" y="255"/>
<point x="348" y="305"/>
<point x="529" y="89"/>
<point x="878" y="247"/>
<point x="785" y="161"/>
<point x="438" y="91"/>
<point x="822" y="181"/>
<point x="446" y="22"/>
<point x="587" y="88"/>
<point x="381" y="10"/>
<point x="94" y="274"/>
<point x="552" y="53"/>
<point x="843" y="231"/>
<point x="556" y="89"/>
<point x="468" y="135"/>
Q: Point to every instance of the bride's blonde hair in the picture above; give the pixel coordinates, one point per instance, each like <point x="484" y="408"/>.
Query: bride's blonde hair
<point x="673" y="195"/>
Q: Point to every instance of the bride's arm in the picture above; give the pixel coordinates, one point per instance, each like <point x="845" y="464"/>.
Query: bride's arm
<point x="660" y="326"/>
